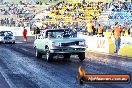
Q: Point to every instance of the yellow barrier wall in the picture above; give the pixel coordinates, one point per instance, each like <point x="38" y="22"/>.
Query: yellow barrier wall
<point x="111" y="46"/>
<point x="109" y="34"/>
<point x="126" y="50"/>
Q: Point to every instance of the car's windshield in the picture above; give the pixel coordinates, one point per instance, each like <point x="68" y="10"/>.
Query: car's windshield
<point x="6" y="33"/>
<point x="62" y="33"/>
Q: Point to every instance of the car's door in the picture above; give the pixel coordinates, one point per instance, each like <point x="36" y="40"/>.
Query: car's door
<point x="40" y="42"/>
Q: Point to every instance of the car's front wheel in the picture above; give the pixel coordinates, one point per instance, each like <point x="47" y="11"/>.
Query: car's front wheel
<point x="38" y="54"/>
<point x="48" y="55"/>
<point x="81" y="56"/>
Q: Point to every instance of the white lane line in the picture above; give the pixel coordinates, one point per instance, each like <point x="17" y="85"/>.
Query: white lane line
<point x="11" y="85"/>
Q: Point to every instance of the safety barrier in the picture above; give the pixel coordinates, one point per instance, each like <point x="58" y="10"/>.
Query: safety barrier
<point x="126" y="50"/>
<point x="126" y="47"/>
<point x="107" y="44"/>
<point x="17" y="31"/>
<point x="124" y="40"/>
<point x="99" y="44"/>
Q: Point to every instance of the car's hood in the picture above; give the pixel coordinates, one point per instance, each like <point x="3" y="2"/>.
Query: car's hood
<point x="65" y="40"/>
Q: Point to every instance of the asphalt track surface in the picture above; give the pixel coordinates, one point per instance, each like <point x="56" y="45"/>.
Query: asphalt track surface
<point x="20" y="68"/>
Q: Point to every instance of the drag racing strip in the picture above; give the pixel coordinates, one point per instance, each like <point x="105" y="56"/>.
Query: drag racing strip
<point x="27" y="49"/>
<point x="14" y="71"/>
<point x="30" y="69"/>
<point x="19" y="63"/>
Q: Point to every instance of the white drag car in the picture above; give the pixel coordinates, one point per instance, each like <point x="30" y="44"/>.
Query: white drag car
<point x="7" y="37"/>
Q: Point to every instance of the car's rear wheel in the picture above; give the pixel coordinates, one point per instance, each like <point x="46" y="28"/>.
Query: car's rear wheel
<point x="49" y="56"/>
<point x="81" y="56"/>
<point x="38" y="54"/>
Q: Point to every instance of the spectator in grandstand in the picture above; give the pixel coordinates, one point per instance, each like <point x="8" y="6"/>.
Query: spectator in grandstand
<point x="89" y="28"/>
<point x="100" y="30"/>
<point x="25" y="34"/>
<point x="117" y="34"/>
<point x="7" y="21"/>
<point x="2" y="22"/>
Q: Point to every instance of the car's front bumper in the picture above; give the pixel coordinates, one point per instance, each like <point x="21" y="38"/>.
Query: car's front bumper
<point x="67" y="49"/>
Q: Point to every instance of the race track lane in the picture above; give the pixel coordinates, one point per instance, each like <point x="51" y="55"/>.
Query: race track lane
<point x="23" y="70"/>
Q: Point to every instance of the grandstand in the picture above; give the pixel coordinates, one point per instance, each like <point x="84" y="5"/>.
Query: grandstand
<point x="72" y="11"/>
<point x="112" y="15"/>
<point x="87" y="13"/>
<point x="30" y="1"/>
<point x="19" y="12"/>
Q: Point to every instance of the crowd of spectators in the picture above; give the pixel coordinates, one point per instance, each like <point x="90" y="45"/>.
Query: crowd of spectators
<point x="77" y="15"/>
<point x="12" y="8"/>
<point x="120" y="6"/>
<point x="120" y="10"/>
<point x="7" y="22"/>
<point x="73" y="15"/>
<point x="17" y="13"/>
<point x="77" y="10"/>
